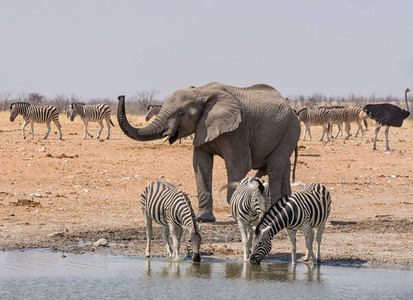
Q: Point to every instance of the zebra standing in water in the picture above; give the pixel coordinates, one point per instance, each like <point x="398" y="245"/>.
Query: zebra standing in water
<point x="171" y="208"/>
<point x="91" y="113"/>
<point x="305" y="210"/>
<point x="356" y="114"/>
<point x="152" y="110"/>
<point x="38" y="114"/>
<point x="315" y="117"/>
<point x="250" y="198"/>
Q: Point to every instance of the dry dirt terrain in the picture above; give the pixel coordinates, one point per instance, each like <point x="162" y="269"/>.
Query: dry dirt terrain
<point x="64" y="195"/>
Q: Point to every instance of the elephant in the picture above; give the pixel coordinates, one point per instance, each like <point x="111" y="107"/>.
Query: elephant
<point x="250" y="128"/>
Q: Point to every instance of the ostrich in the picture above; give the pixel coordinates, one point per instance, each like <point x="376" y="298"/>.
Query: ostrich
<point x="387" y="115"/>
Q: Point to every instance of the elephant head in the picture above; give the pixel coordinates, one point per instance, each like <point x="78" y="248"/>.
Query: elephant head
<point x="206" y="112"/>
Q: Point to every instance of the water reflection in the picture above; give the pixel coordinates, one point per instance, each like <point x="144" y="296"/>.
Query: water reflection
<point x="173" y="269"/>
<point x="272" y="272"/>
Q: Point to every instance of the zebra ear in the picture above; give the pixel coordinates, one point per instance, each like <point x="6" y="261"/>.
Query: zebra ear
<point x="266" y="229"/>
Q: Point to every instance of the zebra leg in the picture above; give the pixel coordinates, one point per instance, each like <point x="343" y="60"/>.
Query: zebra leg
<point x="291" y="235"/>
<point x="325" y="131"/>
<point x="176" y="233"/>
<point x="348" y="128"/>
<point x="386" y="133"/>
<point x="165" y="236"/>
<point x="307" y="128"/>
<point x="339" y="130"/>
<point x="245" y="240"/>
<point x="309" y="239"/>
<point x="85" y="122"/>
<point x="376" y="132"/>
<point x="32" y="124"/>
<point x="108" y="125"/>
<point x="148" y="225"/>
<point x="318" y="237"/>
<point x="100" y="128"/>
<point x="358" y="129"/>
<point x="56" y="122"/>
<point x="24" y="125"/>
<point x="48" y="130"/>
<point x="250" y="235"/>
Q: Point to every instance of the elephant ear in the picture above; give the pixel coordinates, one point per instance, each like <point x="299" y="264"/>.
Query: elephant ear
<point x="221" y="113"/>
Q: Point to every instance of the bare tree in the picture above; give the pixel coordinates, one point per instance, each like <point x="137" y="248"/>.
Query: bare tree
<point x="36" y="99"/>
<point x="140" y="100"/>
<point x="5" y="100"/>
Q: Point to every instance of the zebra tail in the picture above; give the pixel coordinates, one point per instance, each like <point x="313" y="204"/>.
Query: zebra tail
<point x="111" y="123"/>
<point x="365" y="123"/>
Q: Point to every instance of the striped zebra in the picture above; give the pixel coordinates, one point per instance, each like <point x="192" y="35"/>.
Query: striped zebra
<point x="250" y="198"/>
<point x="38" y="114"/>
<point x="315" y="117"/>
<point x="339" y="115"/>
<point x="304" y="210"/>
<point x="171" y="208"/>
<point x="356" y="114"/>
<point x="152" y="110"/>
<point x="91" y="113"/>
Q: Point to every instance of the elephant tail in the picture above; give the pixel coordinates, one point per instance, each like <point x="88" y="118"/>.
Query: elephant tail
<point x="230" y="185"/>
<point x="295" y="161"/>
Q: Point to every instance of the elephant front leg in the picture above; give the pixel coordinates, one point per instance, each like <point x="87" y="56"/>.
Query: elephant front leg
<point x="202" y="164"/>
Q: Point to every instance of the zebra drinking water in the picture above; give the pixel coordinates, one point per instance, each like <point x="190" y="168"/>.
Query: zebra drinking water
<point x="171" y="208"/>
<point x="91" y="113"/>
<point x="315" y="117"/>
<point x="38" y="114"/>
<point x="305" y="210"/>
<point x="250" y="198"/>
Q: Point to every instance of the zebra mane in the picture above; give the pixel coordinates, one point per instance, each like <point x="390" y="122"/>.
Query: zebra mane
<point x="193" y="217"/>
<point x="20" y="104"/>
<point x="305" y="108"/>
<point x="263" y="221"/>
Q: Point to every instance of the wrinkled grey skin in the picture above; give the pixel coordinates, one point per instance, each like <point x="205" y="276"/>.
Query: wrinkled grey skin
<point x="250" y="128"/>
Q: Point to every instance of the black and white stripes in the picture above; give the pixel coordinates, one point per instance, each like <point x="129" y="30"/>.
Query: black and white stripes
<point x="171" y="208"/>
<point x="91" y="113"/>
<point x="250" y="198"/>
<point x="35" y="114"/>
<point x="311" y="117"/>
<point x="307" y="209"/>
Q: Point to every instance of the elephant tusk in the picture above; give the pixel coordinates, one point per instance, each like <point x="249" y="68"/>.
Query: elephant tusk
<point x="166" y="138"/>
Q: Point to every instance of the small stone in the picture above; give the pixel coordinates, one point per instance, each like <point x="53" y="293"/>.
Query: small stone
<point x="101" y="242"/>
<point x="56" y="234"/>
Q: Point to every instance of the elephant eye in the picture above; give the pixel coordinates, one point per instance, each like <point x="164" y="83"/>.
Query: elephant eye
<point x="181" y="114"/>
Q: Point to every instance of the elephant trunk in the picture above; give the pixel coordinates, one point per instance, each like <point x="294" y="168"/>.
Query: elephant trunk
<point x="151" y="132"/>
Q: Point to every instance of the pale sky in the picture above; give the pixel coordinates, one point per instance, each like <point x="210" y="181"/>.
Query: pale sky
<point x="106" y="48"/>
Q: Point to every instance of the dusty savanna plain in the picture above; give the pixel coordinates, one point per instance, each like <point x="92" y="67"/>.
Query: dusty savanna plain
<point x="65" y="195"/>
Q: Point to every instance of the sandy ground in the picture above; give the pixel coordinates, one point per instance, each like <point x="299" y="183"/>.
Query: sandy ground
<point x="66" y="195"/>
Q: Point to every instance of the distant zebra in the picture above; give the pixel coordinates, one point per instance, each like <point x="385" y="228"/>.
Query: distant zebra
<point x="304" y="210"/>
<point x="91" y="113"/>
<point x="38" y="114"/>
<point x="312" y="117"/>
<point x="171" y="208"/>
<point x="339" y="115"/>
<point x="152" y="110"/>
<point x="250" y="198"/>
<point x="356" y="114"/>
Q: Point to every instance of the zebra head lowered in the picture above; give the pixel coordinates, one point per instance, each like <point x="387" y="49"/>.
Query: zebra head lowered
<point x="194" y="244"/>
<point x="261" y="244"/>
